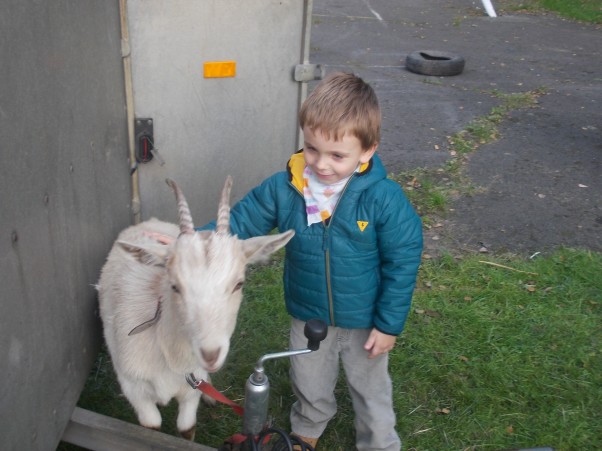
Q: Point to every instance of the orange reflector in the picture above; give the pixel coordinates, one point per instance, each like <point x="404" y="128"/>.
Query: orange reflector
<point x="219" y="69"/>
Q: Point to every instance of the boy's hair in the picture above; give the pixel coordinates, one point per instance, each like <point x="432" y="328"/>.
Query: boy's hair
<point x="343" y="103"/>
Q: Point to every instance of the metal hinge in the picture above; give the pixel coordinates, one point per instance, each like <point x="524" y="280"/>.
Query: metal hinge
<point x="308" y="72"/>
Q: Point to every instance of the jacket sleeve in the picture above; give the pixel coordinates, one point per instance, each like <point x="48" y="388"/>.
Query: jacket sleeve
<point x="256" y="213"/>
<point x="400" y="248"/>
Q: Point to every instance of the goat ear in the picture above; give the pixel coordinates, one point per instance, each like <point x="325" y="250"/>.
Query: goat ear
<point x="259" y="248"/>
<point x="151" y="255"/>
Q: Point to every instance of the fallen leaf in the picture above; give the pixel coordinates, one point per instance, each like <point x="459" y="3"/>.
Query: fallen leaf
<point x="432" y="313"/>
<point x="444" y="411"/>
<point x="414" y="183"/>
<point x="464" y="358"/>
<point x="510" y="429"/>
<point x="467" y="298"/>
<point x="419" y="311"/>
<point x="530" y="288"/>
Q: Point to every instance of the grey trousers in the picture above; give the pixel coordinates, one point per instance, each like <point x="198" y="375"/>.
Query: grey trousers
<point x="315" y="375"/>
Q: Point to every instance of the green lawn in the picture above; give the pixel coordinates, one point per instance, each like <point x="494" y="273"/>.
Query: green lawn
<point x="493" y="357"/>
<point x="584" y="10"/>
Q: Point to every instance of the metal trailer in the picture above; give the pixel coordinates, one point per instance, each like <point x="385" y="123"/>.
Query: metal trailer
<point x="192" y="89"/>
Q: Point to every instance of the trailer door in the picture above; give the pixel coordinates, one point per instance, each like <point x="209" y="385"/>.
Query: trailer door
<point x="214" y="94"/>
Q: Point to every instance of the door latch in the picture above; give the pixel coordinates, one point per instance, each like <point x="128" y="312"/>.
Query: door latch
<point x="144" y="138"/>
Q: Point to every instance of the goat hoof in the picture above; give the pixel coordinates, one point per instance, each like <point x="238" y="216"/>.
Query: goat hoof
<point x="189" y="434"/>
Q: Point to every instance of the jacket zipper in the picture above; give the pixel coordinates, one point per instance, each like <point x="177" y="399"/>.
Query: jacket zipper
<point x="326" y="248"/>
<point x="328" y="284"/>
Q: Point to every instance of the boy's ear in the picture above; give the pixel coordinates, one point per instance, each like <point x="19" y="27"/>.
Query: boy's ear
<point x="367" y="154"/>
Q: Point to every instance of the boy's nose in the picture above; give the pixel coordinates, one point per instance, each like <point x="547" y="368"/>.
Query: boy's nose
<point x="321" y="163"/>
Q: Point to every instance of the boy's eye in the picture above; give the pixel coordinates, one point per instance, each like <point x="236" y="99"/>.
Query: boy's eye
<point x="336" y="156"/>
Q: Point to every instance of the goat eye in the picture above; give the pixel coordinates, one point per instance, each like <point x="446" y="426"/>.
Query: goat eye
<point x="237" y="287"/>
<point x="175" y="288"/>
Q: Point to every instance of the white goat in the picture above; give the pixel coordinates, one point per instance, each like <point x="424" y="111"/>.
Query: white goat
<point x="170" y="309"/>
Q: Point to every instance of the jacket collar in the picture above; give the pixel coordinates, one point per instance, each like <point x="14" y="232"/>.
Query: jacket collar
<point x="296" y="165"/>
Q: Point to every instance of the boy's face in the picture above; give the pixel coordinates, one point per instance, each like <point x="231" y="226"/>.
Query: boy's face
<point x="332" y="160"/>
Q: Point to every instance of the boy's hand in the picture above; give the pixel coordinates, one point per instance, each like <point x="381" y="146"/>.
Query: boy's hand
<point x="379" y="343"/>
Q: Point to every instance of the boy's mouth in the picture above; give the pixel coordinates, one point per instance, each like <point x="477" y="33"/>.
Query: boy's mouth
<point x="324" y="176"/>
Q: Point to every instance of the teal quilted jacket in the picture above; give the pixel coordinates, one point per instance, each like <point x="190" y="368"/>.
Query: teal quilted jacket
<point x="359" y="270"/>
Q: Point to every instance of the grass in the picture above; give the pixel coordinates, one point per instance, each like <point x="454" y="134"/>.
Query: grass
<point x="583" y="10"/>
<point x="493" y="357"/>
<point x="513" y="357"/>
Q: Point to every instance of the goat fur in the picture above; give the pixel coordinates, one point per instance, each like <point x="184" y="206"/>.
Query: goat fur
<point x="194" y="283"/>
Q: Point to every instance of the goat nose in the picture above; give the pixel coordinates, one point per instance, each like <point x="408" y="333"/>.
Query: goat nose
<point x="210" y="356"/>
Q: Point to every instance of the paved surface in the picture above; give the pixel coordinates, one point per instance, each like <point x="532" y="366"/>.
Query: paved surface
<point x="542" y="178"/>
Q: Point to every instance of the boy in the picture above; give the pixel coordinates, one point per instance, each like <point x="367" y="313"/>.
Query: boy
<point x="352" y="262"/>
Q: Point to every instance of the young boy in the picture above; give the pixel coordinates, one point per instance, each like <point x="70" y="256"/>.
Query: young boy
<point x="352" y="262"/>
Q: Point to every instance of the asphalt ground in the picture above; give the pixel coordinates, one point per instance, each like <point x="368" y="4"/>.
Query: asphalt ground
<point x="541" y="179"/>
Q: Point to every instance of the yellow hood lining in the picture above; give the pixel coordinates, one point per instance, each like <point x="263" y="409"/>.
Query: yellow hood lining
<point x="296" y="165"/>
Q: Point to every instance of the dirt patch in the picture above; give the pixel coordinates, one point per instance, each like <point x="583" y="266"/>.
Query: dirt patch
<point x="541" y="185"/>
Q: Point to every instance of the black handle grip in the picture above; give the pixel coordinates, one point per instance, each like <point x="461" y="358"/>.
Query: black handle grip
<point x="315" y="331"/>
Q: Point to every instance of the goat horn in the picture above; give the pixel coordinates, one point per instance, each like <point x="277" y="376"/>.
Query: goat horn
<point x="223" y="211"/>
<point x="185" y="218"/>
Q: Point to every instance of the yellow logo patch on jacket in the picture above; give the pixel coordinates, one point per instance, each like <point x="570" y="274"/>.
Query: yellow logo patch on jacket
<point x="362" y="225"/>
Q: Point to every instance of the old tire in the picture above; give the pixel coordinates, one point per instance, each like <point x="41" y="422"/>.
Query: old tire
<point x="434" y="62"/>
